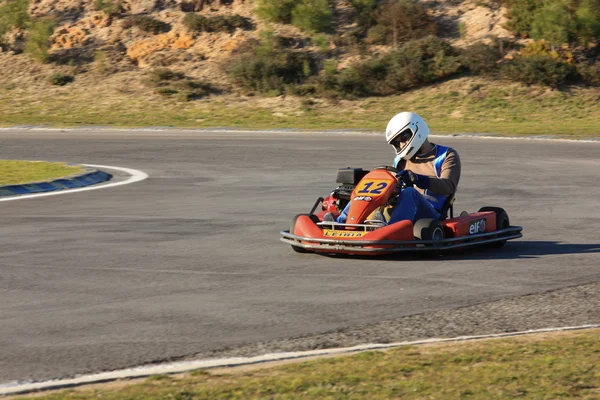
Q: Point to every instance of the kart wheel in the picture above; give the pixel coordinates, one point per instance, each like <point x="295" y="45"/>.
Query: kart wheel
<point x="428" y="229"/>
<point x="502" y="222"/>
<point x="314" y="218"/>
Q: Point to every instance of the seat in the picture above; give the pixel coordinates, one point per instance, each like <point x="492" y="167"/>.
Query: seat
<point x="448" y="208"/>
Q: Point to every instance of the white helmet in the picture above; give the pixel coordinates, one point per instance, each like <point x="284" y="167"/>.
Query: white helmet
<point x="409" y="128"/>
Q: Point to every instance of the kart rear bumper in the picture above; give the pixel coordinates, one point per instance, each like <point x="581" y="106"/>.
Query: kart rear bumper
<point x="357" y="246"/>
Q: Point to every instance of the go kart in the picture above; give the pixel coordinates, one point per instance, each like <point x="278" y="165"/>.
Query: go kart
<point x="378" y="190"/>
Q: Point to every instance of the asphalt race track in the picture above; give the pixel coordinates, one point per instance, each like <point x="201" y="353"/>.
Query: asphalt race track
<point x="189" y="261"/>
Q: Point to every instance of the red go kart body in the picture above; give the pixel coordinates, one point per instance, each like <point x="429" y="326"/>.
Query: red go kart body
<point x="377" y="190"/>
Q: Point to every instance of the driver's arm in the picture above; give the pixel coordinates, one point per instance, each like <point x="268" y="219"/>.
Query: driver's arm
<point x="447" y="183"/>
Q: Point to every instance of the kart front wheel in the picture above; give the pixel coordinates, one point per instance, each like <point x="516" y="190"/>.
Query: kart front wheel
<point x="428" y="229"/>
<point x="299" y="249"/>
<point x="502" y="222"/>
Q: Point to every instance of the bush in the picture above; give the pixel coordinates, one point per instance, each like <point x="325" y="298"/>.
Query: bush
<point x="13" y="14"/>
<point x="405" y="20"/>
<point x="312" y="15"/>
<point x="520" y="16"/>
<point x="553" y="23"/>
<point x="108" y="7"/>
<point x="538" y="69"/>
<point x="481" y="59"/>
<point x="199" y="23"/>
<point x="165" y="74"/>
<point x="267" y="68"/>
<point x="416" y="63"/>
<point x="556" y="21"/>
<point x="163" y="91"/>
<point x="276" y="10"/>
<point x="169" y="83"/>
<point x="366" y="12"/>
<point x="588" y="20"/>
<point x="378" y="34"/>
<point x="589" y="72"/>
<point x="147" y="24"/>
<point x="59" y="79"/>
<point x="421" y="61"/>
<point x="38" y="40"/>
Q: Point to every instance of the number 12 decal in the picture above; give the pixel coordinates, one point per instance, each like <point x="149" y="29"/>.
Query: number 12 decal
<point x="369" y="189"/>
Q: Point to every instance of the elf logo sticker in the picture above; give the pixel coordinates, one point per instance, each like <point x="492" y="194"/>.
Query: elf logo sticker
<point x="363" y="198"/>
<point x="477" y="227"/>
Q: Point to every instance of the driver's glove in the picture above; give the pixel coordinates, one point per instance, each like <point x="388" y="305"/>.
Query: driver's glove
<point x="412" y="179"/>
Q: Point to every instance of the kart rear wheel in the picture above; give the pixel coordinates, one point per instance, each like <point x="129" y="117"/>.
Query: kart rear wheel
<point x="314" y="218"/>
<point x="428" y="229"/>
<point x="502" y="222"/>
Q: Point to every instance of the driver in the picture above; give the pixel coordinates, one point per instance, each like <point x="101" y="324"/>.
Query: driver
<point x="431" y="171"/>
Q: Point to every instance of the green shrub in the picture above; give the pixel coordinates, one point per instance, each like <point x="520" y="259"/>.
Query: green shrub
<point x="276" y="10"/>
<point x="108" y="7"/>
<point x="169" y="83"/>
<point x="13" y="14"/>
<point x="219" y="23"/>
<point x="538" y="69"/>
<point x="101" y="62"/>
<point x="421" y="61"/>
<point x="553" y="23"/>
<point x="556" y="21"/>
<point x="147" y="24"/>
<point x="588" y="20"/>
<point x="59" y="79"/>
<point x="405" y="20"/>
<point x="416" y="63"/>
<point x="192" y="90"/>
<point x="312" y="15"/>
<point x="365" y="10"/>
<point x="198" y="89"/>
<point x="38" y="39"/>
<point x="481" y="59"/>
<point x="589" y="72"/>
<point x="322" y="42"/>
<point x="165" y="91"/>
<point x="351" y="83"/>
<point x="330" y="67"/>
<point x="165" y="74"/>
<point x="266" y="71"/>
<point x="520" y="16"/>
<point x="377" y="34"/>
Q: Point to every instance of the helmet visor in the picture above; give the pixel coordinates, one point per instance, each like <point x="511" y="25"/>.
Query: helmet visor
<point x="402" y="139"/>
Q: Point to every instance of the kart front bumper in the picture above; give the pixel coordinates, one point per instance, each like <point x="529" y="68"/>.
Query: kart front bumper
<point x="344" y="246"/>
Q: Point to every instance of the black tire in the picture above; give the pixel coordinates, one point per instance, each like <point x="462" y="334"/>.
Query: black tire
<point x="428" y="229"/>
<point x="502" y="222"/>
<point x="315" y="219"/>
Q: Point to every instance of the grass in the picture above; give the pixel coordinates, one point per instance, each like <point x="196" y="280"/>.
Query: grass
<point x="563" y="365"/>
<point x="465" y="105"/>
<point x="18" y="172"/>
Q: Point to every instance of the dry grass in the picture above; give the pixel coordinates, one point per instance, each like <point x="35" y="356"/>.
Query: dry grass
<point x="464" y="105"/>
<point x="536" y="367"/>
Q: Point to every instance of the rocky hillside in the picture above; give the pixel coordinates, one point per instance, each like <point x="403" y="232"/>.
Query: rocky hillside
<point x="200" y="40"/>
<point x="113" y="34"/>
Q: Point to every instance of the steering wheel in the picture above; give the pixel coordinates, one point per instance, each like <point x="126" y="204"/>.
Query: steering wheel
<point x="388" y="168"/>
<point x="403" y="182"/>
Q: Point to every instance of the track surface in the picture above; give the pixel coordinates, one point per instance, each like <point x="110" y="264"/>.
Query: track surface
<point x="188" y="261"/>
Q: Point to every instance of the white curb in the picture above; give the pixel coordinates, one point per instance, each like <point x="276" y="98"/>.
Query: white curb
<point x="136" y="176"/>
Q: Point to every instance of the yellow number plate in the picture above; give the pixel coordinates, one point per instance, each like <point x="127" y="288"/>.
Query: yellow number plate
<point x="344" y="234"/>
<point x="372" y="188"/>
